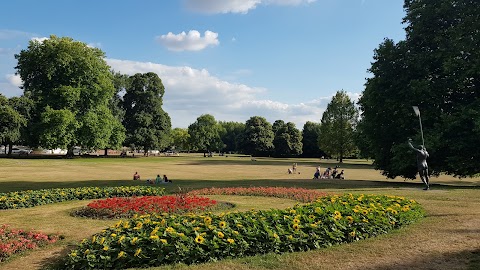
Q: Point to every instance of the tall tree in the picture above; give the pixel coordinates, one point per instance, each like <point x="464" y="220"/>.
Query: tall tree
<point x="205" y="134"/>
<point x="70" y="84"/>
<point x="437" y="69"/>
<point x="180" y="139"/>
<point x="258" y="137"/>
<point x="147" y="124"/>
<point x="287" y="141"/>
<point x="338" y="124"/>
<point x="231" y="135"/>
<point x="310" y="135"/>
<point x="11" y="123"/>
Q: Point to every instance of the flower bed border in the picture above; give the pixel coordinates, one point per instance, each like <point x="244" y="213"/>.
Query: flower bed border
<point x="31" y="198"/>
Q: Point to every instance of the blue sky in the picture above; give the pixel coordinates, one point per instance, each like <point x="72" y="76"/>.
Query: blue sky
<point x="281" y="59"/>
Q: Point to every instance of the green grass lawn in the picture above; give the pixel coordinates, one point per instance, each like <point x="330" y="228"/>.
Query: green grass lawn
<point x="448" y="238"/>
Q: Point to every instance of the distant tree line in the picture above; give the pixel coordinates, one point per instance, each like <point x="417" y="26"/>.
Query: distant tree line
<point x="72" y="98"/>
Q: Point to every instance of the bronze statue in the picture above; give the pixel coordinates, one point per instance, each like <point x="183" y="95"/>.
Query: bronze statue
<point x="422" y="165"/>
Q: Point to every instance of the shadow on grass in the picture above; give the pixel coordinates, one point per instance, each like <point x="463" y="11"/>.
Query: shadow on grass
<point x="196" y="184"/>
<point x="447" y="260"/>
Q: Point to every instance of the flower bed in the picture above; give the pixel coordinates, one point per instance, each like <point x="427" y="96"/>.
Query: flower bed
<point x="298" y="194"/>
<point x="127" y="207"/>
<point x="31" y="198"/>
<point x="14" y="241"/>
<point x="152" y="240"/>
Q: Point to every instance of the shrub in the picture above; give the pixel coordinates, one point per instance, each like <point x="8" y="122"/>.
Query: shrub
<point x="31" y="198"/>
<point x="298" y="194"/>
<point x="151" y="240"/>
<point x="14" y="241"/>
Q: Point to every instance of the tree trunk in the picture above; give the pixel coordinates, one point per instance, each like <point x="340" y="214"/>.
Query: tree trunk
<point x="10" y="148"/>
<point x="106" y="152"/>
<point x="70" y="152"/>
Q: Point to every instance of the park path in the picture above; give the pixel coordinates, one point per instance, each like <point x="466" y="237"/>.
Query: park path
<point x="448" y="238"/>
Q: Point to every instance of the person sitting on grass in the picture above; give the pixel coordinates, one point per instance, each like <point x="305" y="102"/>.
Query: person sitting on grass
<point x="136" y="176"/>
<point x="340" y="175"/>
<point x="165" y="179"/>
<point x="158" y="180"/>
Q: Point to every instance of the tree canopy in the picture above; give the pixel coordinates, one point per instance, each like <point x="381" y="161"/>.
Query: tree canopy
<point x="70" y="85"/>
<point x="258" y="137"/>
<point x="287" y="140"/>
<point x="147" y="124"/>
<point x="338" y="125"/>
<point x="436" y="68"/>
<point x="205" y="134"/>
<point x="310" y="135"/>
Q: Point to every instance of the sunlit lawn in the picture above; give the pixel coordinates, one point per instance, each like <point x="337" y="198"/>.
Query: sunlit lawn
<point x="449" y="238"/>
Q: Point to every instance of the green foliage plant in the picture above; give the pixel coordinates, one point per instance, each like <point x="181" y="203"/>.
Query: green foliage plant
<point x="31" y="198"/>
<point x="152" y="240"/>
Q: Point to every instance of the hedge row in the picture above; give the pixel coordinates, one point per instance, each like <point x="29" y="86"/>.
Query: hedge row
<point x="31" y="198"/>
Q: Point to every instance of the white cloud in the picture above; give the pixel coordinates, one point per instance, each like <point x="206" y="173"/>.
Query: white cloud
<point x="40" y="39"/>
<point x="14" y="79"/>
<point x="236" y="6"/>
<point x="191" y="92"/>
<point x="193" y="41"/>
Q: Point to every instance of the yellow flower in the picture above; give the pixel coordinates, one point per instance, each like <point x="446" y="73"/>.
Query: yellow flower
<point x="352" y="234"/>
<point x="139" y="226"/>
<point x="105" y="248"/>
<point x="296" y="226"/>
<point x="121" y="254"/>
<point x="196" y="228"/>
<point x="235" y="232"/>
<point x="102" y="241"/>
<point x="313" y="225"/>
<point x="154" y="237"/>
<point x="121" y="238"/>
<point x="163" y="241"/>
<point x="290" y="237"/>
<point x="293" y="211"/>
<point x="181" y="234"/>
<point x="170" y="230"/>
<point x="222" y="224"/>
<point x="134" y="240"/>
<point x="365" y="220"/>
<point x="275" y="235"/>
<point x="73" y="254"/>
<point x="94" y="238"/>
<point x="318" y="210"/>
<point x="296" y="221"/>
<point x="230" y="240"/>
<point x="239" y="225"/>
<point x="199" y="239"/>
<point x="87" y="252"/>
<point x="220" y="235"/>
<point x="207" y="220"/>
<point x="137" y="252"/>
<point x="113" y="235"/>
<point x="350" y="219"/>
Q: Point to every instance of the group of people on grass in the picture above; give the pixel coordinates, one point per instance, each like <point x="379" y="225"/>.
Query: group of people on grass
<point x="158" y="179"/>
<point x="329" y="173"/>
